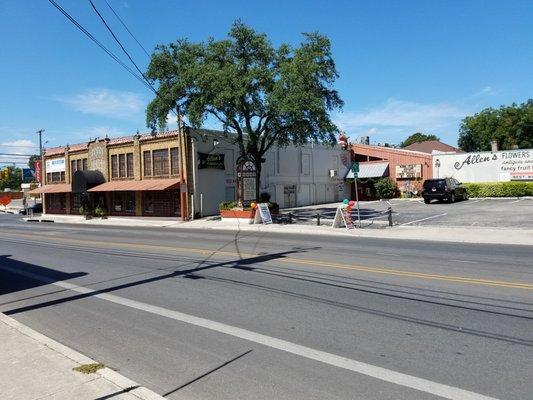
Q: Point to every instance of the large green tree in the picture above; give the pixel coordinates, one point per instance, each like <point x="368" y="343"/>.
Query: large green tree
<point x="261" y="95"/>
<point x="12" y="179"/>
<point x="511" y="126"/>
<point x="31" y="161"/>
<point x="418" y="137"/>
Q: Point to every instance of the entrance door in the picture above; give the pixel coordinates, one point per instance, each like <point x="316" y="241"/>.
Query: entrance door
<point x="289" y="195"/>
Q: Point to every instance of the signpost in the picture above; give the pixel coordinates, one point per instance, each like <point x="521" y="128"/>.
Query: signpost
<point x="355" y="170"/>
<point x="262" y="214"/>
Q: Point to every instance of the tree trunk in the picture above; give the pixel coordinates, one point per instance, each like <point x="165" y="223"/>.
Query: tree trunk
<point x="258" y="166"/>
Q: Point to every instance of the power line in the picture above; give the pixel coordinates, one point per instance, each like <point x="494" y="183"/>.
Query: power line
<point x="124" y="25"/>
<point x="21" y="146"/>
<point x="90" y="36"/>
<point x="16" y="155"/>
<point x="120" y="44"/>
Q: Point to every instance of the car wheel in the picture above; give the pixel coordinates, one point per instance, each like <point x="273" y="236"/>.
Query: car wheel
<point x="427" y="201"/>
<point x="452" y="198"/>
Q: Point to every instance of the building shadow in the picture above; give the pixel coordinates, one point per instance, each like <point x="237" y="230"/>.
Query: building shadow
<point x="11" y="282"/>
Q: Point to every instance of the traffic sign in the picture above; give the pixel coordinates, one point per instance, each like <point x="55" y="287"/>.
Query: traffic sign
<point x="5" y="200"/>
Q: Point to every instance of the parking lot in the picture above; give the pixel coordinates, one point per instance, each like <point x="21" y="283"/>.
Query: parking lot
<point x="510" y="213"/>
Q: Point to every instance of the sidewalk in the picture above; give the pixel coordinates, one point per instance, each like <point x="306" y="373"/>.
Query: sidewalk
<point x="36" y="367"/>
<point x="461" y="234"/>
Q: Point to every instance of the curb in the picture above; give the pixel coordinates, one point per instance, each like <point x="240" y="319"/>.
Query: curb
<point x="107" y="373"/>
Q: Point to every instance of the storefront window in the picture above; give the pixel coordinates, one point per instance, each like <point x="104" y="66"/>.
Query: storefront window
<point x="123" y="202"/>
<point x="76" y="202"/>
<point x="57" y="201"/>
<point x="148" y="202"/>
<point x="176" y="206"/>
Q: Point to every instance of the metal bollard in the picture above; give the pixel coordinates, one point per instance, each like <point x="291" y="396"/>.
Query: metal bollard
<point x="290" y="218"/>
<point x="389" y="211"/>
<point x="318" y="219"/>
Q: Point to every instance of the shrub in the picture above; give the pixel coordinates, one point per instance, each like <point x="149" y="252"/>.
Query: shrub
<point x="385" y="188"/>
<point x="227" y="205"/>
<point x="100" y="212"/>
<point x="499" y="189"/>
<point x="264" y="197"/>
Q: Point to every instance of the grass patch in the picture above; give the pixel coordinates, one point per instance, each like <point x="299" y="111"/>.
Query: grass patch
<point x="89" y="368"/>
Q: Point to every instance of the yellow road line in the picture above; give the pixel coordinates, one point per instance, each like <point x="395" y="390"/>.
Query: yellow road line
<point x="291" y="260"/>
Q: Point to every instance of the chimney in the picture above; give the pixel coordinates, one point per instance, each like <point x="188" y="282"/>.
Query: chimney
<point x="494" y="145"/>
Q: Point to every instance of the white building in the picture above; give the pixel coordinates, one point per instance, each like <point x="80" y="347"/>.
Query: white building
<point x="487" y="166"/>
<point x="294" y="176"/>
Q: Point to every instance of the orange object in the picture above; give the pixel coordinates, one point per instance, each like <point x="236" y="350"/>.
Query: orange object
<point x="5" y="200"/>
<point x="253" y="205"/>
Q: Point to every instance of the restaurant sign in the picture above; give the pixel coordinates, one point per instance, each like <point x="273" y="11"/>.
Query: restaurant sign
<point x="55" y="165"/>
<point x="408" y="171"/>
<point x="210" y="161"/>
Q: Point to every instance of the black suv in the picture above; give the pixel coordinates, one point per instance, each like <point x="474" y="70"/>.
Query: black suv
<point x="443" y="189"/>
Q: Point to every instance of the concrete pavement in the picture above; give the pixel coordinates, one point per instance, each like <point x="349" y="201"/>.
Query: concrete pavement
<point x="36" y="367"/>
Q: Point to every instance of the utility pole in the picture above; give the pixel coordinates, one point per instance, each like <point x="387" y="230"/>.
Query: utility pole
<point x="40" y="132"/>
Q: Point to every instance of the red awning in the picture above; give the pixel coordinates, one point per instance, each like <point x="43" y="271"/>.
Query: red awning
<point x="57" y="188"/>
<point x="144" y="185"/>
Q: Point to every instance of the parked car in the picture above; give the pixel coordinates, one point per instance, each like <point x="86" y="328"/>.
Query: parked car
<point x="37" y="209"/>
<point x="448" y="189"/>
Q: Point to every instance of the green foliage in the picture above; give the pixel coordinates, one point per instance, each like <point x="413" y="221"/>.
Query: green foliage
<point x="264" y="197"/>
<point x="385" y="188"/>
<point x="509" y="125"/>
<point x="227" y="205"/>
<point x="32" y="160"/>
<point x="260" y="94"/>
<point x="100" y="211"/>
<point x="417" y="137"/>
<point x="499" y="189"/>
<point x="11" y="179"/>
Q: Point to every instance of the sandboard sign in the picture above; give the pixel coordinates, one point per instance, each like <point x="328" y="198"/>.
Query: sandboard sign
<point x="263" y="216"/>
<point x="343" y="216"/>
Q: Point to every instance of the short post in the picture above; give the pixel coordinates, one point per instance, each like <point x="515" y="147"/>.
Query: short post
<point x="290" y="218"/>
<point x="389" y="212"/>
<point x="318" y="219"/>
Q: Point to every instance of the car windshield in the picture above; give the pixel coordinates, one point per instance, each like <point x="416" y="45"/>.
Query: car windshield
<point x="436" y="183"/>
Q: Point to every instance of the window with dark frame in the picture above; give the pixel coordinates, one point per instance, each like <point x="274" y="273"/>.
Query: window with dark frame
<point x="147" y="162"/>
<point x="122" y="165"/>
<point x="129" y="164"/>
<point x="114" y="166"/>
<point x="160" y="160"/>
<point x="174" y="161"/>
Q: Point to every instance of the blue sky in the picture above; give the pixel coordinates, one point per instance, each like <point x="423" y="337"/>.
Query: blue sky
<point x="405" y="66"/>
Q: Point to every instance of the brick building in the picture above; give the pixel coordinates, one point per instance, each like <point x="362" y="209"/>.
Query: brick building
<point x="139" y="175"/>
<point x="407" y="168"/>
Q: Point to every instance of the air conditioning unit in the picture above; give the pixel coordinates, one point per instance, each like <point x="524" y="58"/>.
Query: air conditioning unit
<point x="333" y="173"/>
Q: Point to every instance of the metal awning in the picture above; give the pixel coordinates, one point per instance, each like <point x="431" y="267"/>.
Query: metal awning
<point x="370" y="170"/>
<point x="82" y="181"/>
<point x="131" y="185"/>
<point x="53" y="188"/>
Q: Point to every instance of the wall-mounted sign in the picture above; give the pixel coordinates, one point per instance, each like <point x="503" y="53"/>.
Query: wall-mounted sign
<point x="211" y="161"/>
<point x="55" y="165"/>
<point x="38" y="171"/>
<point x="485" y="166"/>
<point x="409" y="171"/>
<point x="28" y="175"/>
<point x="97" y="159"/>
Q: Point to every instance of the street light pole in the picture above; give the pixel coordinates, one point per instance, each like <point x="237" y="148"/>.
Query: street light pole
<point x="40" y="132"/>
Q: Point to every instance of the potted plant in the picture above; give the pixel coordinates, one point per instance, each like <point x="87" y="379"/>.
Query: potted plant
<point x="100" y="212"/>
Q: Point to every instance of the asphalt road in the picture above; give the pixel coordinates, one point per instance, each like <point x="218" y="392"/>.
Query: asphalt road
<point x="225" y="315"/>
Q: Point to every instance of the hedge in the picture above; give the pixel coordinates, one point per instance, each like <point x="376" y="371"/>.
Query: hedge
<point x="499" y="189"/>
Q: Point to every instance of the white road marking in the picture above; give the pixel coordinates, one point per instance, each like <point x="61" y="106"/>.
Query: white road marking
<point x="424" y="219"/>
<point x="516" y="201"/>
<point x="387" y="375"/>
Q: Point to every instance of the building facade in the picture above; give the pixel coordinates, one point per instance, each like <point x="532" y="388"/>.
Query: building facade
<point x="487" y="166"/>
<point x="407" y="168"/>
<point x="182" y="174"/>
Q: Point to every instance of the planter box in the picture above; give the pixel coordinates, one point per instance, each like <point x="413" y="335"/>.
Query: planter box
<point x="237" y="214"/>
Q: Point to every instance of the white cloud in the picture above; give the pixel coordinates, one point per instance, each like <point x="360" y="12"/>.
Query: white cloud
<point x="395" y="119"/>
<point x="106" y="102"/>
<point x="18" y="150"/>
